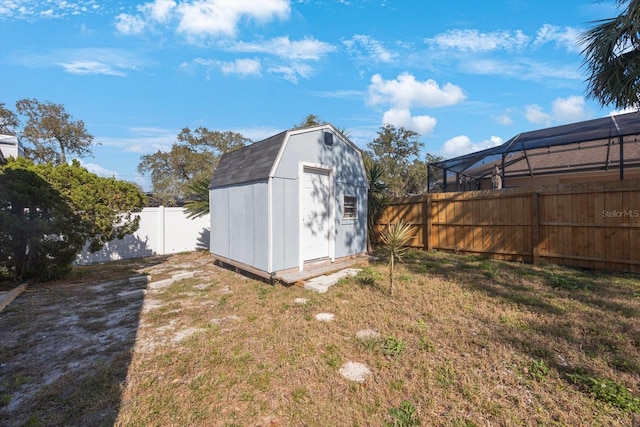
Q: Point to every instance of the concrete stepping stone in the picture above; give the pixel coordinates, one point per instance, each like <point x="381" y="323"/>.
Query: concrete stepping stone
<point x="134" y="280"/>
<point x="325" y="317"/>
<point x="132" y="295"/>
<point x="160" y="284"/>
<point x="184" y="275"/>
<point x="321" y="284"/>
<point x="355" y="371"/>
<point x="367" y="334"/>
<point x="225" y="290"/>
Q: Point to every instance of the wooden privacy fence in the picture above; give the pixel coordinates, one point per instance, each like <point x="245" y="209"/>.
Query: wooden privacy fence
<point x="591" y="225"/>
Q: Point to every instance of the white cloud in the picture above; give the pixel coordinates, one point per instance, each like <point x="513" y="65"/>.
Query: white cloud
<point x="30" y="9"/>
<point x="405" y="91"/>
<point x="504" y="119"/>
<point x="402" y="118"/>
<point x="244" y="67"/>
<point x="293" y="72"/>
<point x="522" y="69"/>
<point x="305" y="49"/>
<point x="476" y="41"/>
<point x="563" y="110"/>
<point x="535" y="114"/>
<point x="625" y="111"/>
<point x="570" y="109"/>
<point x="198" y="19"/>
<point x="221" y="17"/>
<point x="373" y="48"/>
<point x="84" y="61"/>
<point x="128" y="24"/>
<point x="88" y="67"/>
<point x="158" y="10"/>
<point x="99" y="170"/>
<point x="566" y="37"/>
<point x="462" y="144"/>
<point x="142" y="140"/>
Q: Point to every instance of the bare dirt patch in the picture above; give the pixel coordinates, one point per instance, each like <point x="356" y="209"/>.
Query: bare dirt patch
<point x="67" y="345"/>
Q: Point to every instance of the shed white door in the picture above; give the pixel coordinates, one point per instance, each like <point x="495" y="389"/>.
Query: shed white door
<point x="315" y="214"/>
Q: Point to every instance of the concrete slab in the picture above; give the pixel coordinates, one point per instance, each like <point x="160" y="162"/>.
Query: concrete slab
<point x="325" y="317"/>
<point x="139" y="279"/>
<point x="321" y="284"/>
<point x="324" y="280"/>
<point x="316" y="287"/>
<point x="131" y="295"/>
<point x="185" y="275"/>
<point x="160" y="284"/>
<point x="355" y="371"/>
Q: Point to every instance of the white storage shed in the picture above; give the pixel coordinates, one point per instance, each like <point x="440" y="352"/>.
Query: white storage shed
<point x="286" y="202"/>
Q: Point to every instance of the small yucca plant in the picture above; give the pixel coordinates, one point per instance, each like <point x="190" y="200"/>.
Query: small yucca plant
<point x="395" y="238"/>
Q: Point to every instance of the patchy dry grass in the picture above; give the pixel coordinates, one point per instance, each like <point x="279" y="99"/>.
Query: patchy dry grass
<point x="464" y="342"/>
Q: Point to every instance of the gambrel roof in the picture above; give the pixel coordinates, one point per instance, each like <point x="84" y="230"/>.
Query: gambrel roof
<point x="255" y="162"/>
<point x="247" y="164"/>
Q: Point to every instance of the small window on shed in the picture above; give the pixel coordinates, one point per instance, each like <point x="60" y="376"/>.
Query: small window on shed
<point x="349" y="207"/>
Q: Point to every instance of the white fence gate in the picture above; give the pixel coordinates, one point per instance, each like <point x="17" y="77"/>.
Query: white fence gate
<point x="162" y="231"/>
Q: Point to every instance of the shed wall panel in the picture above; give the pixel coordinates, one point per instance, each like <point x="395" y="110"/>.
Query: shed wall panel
<point x="310" y="147"/>
<point x="219" y="208"/>
<point x="285" y="224"/>
<point x="239" y="223"/>
<point x="260" y="241"/>
<point x="351" y="235"/>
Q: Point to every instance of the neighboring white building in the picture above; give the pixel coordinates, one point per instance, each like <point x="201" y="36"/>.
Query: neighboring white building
<point x="10" y="146"/>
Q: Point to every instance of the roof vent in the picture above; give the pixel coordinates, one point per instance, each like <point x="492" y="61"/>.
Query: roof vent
<point x="328" y="138"/>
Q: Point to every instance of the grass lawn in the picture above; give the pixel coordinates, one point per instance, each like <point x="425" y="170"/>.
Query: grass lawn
<point x="464" y="341"/>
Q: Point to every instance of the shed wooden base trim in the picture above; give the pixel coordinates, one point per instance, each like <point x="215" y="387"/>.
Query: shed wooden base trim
<point x="293" y="275"/>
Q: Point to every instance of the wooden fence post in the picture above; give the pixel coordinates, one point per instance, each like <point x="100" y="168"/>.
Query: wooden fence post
<point x="535" y="221"/>
<point x="427" y="208"/>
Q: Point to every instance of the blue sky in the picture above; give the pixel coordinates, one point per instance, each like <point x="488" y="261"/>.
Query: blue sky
<point x="465" y="75"/>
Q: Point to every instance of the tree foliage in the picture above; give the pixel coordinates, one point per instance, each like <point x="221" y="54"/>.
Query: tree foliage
<point x="51" y="132"/>
<point x="312" y="120"/>
<point x="434" y="174"/>
<point x="48" y="213"/>
<point x="197" y="203"/>
<point x="612" y="58"/>
<point x="397" y="151"/>
<point x="376" y="197"/>
<point x="193" y="157"/>
<point x="9" y="121"/>
<point x="36" y="233"/>
<point x="309" y="121"/>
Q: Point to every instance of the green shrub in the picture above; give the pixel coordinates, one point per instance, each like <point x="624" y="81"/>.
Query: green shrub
<point x="393" y="346"/>
<point x="608" y="391"/>
<point x="403" y="416"/>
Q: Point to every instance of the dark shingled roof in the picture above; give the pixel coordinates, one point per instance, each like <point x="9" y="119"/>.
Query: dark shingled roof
<point x="250" y="163"/>
<point x="602" y="132"/>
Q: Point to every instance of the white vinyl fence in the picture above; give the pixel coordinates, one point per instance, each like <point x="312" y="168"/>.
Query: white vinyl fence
<point x="162" y="231"/>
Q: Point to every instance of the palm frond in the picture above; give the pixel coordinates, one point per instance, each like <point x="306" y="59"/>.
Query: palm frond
<point x="612" y="58"/>
<point x="197" y="203"/>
